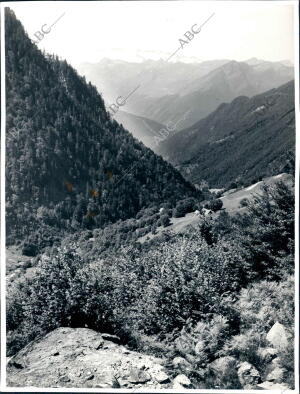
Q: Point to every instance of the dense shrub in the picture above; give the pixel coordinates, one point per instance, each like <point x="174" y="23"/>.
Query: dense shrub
<point x="29" y="250"/>
<point x="184" y="206"/>
<point x="203" y="340"/>
<point x="215" y="204"/>
<point x="244" y="202"/>
<point x="165" y="220"/>
<point x="44" y="302"/>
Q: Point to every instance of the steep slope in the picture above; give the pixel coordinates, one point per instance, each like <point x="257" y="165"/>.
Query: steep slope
<point x="68" y="164"/>
<point x="142" y="129"/>
<point x="232" y="198"/>
<point x="246" y="139"/>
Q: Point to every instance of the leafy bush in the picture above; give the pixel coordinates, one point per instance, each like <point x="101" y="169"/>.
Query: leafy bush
<point x="245" y="347"/>
<point x="38" y="305"/>
<point x="29" y="250"/>
<point x="266" y="233"/>
<point x="165" y="220"/>
<point x="264" y="303"/>
<point x="287" y="361"/>
<point x="215" y="204"/>
<point x="244" y="202"/>
<point x="184" y="206"/>
<point x="225" y="379"/>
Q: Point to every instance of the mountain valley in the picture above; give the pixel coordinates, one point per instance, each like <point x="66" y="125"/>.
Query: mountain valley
<point x="152" y="247"/>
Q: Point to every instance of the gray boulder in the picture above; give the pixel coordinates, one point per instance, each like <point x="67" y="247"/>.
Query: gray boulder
<point x="276" y="362"/>
<point x="161" y="377"/>
<point x="181" y="382"/>
<point x="278" y="336"/>
<point x="199" y="347"/>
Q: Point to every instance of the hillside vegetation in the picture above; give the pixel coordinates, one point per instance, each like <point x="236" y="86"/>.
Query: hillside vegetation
<point x="190" y="289"/>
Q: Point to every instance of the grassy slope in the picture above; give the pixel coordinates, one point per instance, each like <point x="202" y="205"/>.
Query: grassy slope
<point x="231" y="200"/>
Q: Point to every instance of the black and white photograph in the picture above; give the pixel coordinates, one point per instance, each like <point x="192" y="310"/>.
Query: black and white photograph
<point x="149" y="169"/>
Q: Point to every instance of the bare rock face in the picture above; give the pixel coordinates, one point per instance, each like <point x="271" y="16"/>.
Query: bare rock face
<point x="248" y="375"/>
<point x="278" y="336"/>
<point x="79" y="358"/>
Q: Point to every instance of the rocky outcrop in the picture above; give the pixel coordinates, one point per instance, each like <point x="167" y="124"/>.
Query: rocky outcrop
<point x="83" y="358"/>
<point x="79" y="358"/>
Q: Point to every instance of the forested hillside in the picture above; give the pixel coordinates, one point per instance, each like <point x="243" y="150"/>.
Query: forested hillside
<point x="240" y="142"/>
<point x="68" y="164"/>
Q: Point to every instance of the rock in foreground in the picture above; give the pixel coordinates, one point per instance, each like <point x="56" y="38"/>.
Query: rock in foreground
<point x="80" y="357"/>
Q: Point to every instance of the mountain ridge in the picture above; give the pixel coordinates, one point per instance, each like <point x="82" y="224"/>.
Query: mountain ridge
<point x="212" y="147"/>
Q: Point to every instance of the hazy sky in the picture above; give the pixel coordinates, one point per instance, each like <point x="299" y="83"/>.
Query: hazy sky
<point x="90" y="31"/>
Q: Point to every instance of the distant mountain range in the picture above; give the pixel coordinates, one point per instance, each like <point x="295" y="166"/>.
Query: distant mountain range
<point x="245" y="140"/>
<point x="168" y="90"/>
